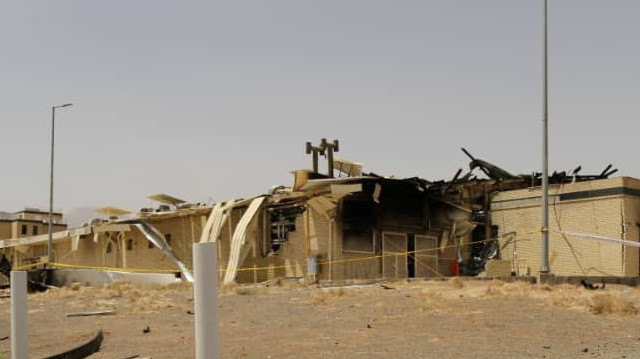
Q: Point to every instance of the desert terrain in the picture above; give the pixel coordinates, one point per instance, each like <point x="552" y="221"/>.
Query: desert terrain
<point x="420" y="319"/>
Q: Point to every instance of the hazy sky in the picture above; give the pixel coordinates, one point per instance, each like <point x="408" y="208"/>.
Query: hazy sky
<point x="215" y="99"/>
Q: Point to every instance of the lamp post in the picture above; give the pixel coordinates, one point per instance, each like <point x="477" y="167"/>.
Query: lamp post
<point x="544" y="267"/>
<point x="53" y="127"/>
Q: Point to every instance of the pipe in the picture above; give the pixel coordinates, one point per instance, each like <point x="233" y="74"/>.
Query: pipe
<point x="205" y="294"/>
<point x="154" y="236"/>
<point x="19" y="318"/>
<point x="330" y="161"/>
<point x="330" y="249"/>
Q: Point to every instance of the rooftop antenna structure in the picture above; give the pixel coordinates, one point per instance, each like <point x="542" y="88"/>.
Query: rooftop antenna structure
<point x="314" y="151"/>
<point x="325" y="148"/>
<point x="330" y="148"/>
<point x="544" y="267"/>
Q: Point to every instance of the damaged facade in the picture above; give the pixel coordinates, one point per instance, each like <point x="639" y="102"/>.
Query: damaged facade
<point x="365" y="226"/>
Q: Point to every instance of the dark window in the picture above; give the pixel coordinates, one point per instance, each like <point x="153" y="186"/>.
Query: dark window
<point x="24" y="229"/>
<point x="129" y="244"/>
<point x="35" y="230"/>
<point x="108" y="250"/>
<point x="167" y="237"/>
<point x="357" y="241"/>
<point x="150" y="244"/>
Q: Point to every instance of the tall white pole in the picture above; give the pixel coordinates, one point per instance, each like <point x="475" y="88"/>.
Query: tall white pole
<point x="50" y="227"/>
<point x="544" y="267"/>
<point x="205" y="288"/>
<point x="19" y="318"/>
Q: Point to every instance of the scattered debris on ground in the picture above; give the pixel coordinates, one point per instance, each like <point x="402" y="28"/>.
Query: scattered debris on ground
<point x="359" y="318"/>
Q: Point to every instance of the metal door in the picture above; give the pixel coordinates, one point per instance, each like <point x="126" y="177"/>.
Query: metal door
<point x="394" y="251"/>
<point x="426" y="256"/>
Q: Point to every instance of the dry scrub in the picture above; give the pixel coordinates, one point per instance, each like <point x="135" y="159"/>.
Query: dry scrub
<point x="326" y="296"/>
<point x="614" y="303"/>
<point x="137" y="299"/>
<point x="430" y="301"/>
<point x="614" y="300"/>
<point x="431" y="297"/>
<point x="458" y="283"/>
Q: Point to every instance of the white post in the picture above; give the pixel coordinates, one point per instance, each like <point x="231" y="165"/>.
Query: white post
<point x="205" y="288"/>
<point x="19" y="323"/>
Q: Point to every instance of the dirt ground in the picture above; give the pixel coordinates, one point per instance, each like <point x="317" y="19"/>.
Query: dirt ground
<point x="422" y="319"/>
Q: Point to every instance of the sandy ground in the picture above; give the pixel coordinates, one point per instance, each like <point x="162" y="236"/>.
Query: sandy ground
<point x="432" y="319"/>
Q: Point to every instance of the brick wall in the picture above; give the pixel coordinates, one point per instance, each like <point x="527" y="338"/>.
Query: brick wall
<point x="518" y="212"/>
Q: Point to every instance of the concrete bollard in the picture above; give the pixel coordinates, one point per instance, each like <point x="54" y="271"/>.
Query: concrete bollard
<point x="19" y="318"/>
<point x="205" y="294"/>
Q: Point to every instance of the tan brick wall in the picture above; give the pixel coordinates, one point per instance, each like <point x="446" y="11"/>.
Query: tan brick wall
<point x="602" y="216"/>
<point x="631" y="217"/>
<point x="184" y="232"/>
<point x="5" y="230"/>
<point x="43" y="228"/>
<point x="92" y="254"/>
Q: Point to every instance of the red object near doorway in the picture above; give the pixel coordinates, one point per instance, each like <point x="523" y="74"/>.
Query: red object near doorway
<point x="454" y="267"/>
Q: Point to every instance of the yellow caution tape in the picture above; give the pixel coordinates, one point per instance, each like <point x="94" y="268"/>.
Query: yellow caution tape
<point x="271" y="267"/>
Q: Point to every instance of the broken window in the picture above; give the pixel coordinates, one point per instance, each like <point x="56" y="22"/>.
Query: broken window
<point x="282" y="221"/>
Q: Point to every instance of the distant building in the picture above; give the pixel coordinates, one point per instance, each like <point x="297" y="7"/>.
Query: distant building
<point x="28" y="222"/>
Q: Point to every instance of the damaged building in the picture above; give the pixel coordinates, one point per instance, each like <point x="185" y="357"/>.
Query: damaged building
<point x="364" y="226"/>
<point x="347" y="224"/>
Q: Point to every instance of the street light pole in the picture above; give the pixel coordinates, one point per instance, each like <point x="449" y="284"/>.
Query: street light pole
<point x="53" y="127"/>
<point x="544" y="267"/>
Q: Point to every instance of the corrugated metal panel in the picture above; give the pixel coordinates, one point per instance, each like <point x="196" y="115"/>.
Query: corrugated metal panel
<point x="215" y="222"/>
<point x="238" y="241"/>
